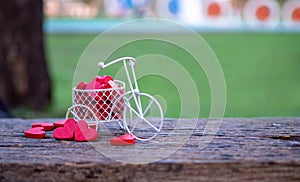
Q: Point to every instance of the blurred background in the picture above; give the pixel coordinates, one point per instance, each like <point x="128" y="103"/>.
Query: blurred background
<point x="257" y="43"/>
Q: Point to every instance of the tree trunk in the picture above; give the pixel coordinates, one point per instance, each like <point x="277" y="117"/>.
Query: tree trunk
<point x="24" y="79"/>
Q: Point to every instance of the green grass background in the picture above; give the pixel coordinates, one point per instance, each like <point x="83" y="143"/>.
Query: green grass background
<point x="262" y="72"/>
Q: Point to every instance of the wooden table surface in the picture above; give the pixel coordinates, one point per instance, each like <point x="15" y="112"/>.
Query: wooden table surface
<point x="254" y="149"/>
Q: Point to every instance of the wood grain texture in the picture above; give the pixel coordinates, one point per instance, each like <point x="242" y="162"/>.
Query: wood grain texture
<point x="256" y="149"/>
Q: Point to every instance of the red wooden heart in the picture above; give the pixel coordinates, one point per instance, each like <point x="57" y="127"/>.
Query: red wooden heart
<point x="103" y="79"/>
<point x="47" y="126"/>
<point x="37" y="132"/>
<point x="107" y="78"/>
<point x="66" y="132"/>
<point x="127" y="139"/>
<point x="83" y="133"/>
<point x="111" y="84"/>
<point x="81" y="85"/>
<point x="99" y="79"/>
<point x="93" y="85"/>
<point x="59" y="123"/>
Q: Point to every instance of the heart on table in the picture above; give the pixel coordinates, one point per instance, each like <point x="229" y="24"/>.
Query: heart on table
<point x="83" y="133"/>
<point x="122" y="140"/>
<point x="59" y="123"/>
<point x="47" y="126"/>
<point x="67" y="131"/>
<point x="36" y="132"/>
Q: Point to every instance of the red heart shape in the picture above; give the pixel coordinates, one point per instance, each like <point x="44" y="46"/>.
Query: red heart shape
<point x="81" y="85"/>
<point x="93" y="85"/>
<point x="102" y="86"/>
<point x="37" y="132"/>
<point x="103" y="79"/>
<point x="66" y="132"/>
<point x="46" y="126"/>
<point x="107" y="78"/>
<point x="83" y="133"/>
<point x="122" y="140"/>
<point x="111" y="84"/>
<point x="99" y="79"/>
<point x="59" y="123"/>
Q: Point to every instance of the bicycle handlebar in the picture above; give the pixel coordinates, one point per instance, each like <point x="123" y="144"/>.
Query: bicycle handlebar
<point x="101" y="64"/>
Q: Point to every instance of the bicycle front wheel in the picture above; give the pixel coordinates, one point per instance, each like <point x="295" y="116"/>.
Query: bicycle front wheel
<point x="143" y="116"/>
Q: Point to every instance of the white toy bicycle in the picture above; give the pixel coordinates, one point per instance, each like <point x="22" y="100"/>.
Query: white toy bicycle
<point x="139" y="114"/>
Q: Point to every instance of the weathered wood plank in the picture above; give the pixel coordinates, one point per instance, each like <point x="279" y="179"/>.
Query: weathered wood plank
<point x="256" y="149"/>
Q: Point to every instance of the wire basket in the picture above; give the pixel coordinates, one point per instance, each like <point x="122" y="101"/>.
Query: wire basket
<point x="101" y="102"/>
